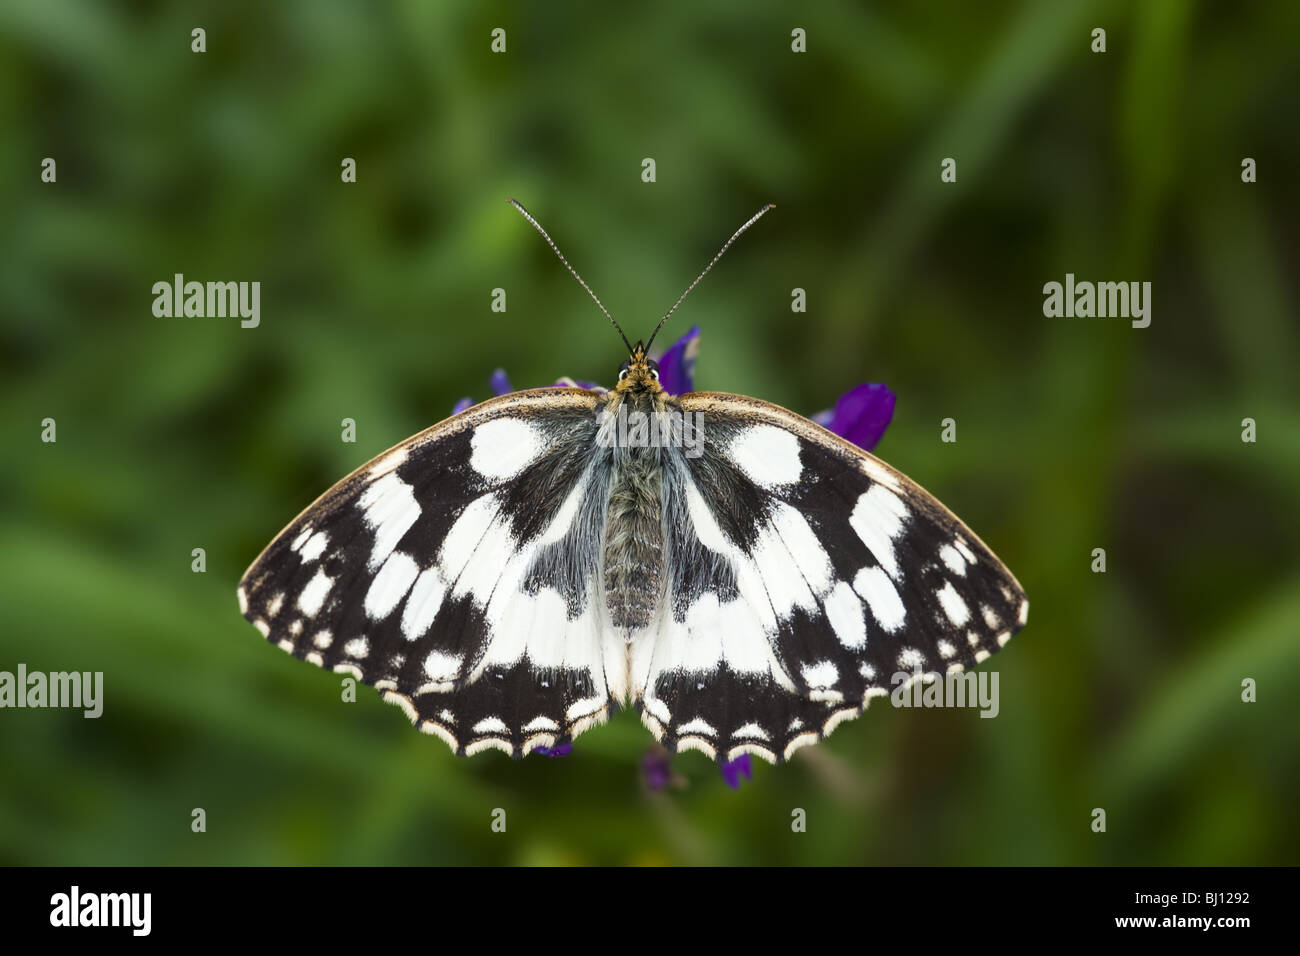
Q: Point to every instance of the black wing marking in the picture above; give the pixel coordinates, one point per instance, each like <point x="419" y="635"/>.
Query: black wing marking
<point x="457" y="574"/>
<point x="805" y="575"/>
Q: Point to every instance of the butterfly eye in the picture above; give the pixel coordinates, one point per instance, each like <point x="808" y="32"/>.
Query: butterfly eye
<point x="622" y="370"/>
<point x="654" y="373"/>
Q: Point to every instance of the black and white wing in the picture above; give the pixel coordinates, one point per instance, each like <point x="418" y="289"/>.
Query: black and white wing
<point x="804" y="574"/>
<point x="458" y="573"/>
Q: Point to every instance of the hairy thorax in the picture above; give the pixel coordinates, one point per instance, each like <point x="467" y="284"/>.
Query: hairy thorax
<point x="634" y="546"/>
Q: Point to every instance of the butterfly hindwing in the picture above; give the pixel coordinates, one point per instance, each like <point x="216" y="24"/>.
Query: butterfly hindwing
<point x="457" y="573"/>
<point x="805" y="574"/>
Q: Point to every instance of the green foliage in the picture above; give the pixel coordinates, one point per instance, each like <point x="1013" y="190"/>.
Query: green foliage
<point x="1122" y="693"/>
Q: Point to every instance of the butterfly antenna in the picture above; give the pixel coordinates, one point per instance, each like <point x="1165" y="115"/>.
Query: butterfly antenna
<point x="734" y="236"/>
<point x="556" y="249"/>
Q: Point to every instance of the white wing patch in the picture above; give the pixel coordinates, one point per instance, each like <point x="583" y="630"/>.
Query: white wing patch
<point x="390" y="511"/>
<point x="313" y="595"/>
<point x="504" y="447"/>
<point x="952" y="604"/>
<point x="768" y="456"/>
<point x="844" y="611"/>
<point x="423" y="603"/>
<point x="390" y="585"/>
<point x="464" y="537"/>
<point x="878" y="520"/>
<point x="954" y="559"/>
<point x="806" y="553"/>
<point x="314" y="547"/>
<point x="881" y="595"/>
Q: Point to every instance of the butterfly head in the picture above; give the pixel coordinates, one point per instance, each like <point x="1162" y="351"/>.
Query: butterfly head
<point x="640" y="373"/>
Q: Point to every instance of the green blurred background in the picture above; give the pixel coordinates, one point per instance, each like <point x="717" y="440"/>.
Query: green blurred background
<point x="1123" y="692"/>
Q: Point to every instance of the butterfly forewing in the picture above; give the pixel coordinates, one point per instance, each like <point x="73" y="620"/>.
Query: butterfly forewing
<point x="805" y="575"/>
<point x="456" y="573"/>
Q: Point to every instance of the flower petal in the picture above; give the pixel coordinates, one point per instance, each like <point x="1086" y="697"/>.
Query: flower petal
<point x="561" y="750"/>
<point x="861" y="415"/>
<point x="656" y="770"/>
<point x="500" y="384"/>
<point x="463" y="404"/>
<point x="734" y="769"/>
<point x="677" y="366"/>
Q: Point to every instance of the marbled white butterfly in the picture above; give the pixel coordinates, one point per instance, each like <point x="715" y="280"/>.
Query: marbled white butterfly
<point x="744" y="578"/>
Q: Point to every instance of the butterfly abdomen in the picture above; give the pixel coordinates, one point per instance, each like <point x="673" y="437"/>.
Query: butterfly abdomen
<point x="634" y="551"/>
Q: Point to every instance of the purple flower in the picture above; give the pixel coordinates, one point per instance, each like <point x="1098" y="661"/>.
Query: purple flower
<point x="657" y="771"/>
<point x="677" y="365"/>
<point x="560" y="750"/>
<point x="861" y="415"/>
<point x="733" y="770"/>
<point x="500" y="384"/>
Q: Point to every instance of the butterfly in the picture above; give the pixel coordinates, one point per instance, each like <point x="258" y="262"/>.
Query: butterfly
<point x="742" y="577"/>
